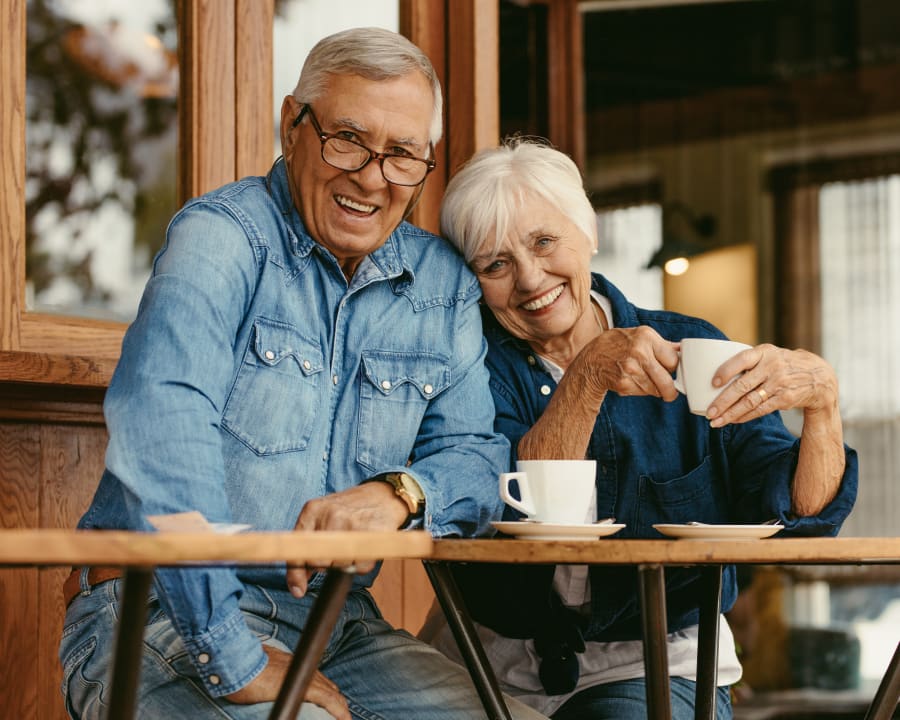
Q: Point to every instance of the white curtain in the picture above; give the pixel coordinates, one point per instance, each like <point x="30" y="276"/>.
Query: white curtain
<point x="860" y="265"/>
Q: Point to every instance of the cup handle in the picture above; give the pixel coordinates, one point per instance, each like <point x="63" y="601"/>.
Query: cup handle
<point x="679" y="377"/>
<point x="526" y="504"/>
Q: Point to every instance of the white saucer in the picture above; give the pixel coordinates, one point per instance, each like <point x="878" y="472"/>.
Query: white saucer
<point x="718" y="532"/>
<point x="553" y="531"/>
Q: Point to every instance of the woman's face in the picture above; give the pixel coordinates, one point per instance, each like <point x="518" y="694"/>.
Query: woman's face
<point x="538" y="284"/>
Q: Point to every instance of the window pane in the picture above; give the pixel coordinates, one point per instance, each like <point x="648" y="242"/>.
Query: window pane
<point x="628" y="238"/>
<point x="102" y="81"/>
<point x="860" y="256"/>
<point x="300" y="24"/>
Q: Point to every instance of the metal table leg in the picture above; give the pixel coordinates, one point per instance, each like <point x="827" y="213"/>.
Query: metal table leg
<point x="888" y="694"/>
<point x="313" y="641"/>
<point x="652" y="586"/>
<point x="708" y="651"/>
<point x="460" y="623"/>
<point x="129" y="642"/>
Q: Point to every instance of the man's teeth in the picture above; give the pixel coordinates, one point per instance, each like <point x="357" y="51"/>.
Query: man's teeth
<point x="353" y="205"/>
<point x="543" y="301"/>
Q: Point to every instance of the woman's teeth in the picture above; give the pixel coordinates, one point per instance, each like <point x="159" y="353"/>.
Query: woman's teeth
<point x="544" y="300"/>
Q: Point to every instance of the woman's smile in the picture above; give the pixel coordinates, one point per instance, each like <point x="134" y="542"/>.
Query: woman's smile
<point x="544" y="300"/>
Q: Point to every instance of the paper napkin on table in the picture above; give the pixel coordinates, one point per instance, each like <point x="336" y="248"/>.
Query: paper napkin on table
<point x="192" y="521"/>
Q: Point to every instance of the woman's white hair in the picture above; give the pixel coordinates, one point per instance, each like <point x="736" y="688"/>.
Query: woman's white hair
<point x="372" y="53"/>
<point x="494" y="184"/>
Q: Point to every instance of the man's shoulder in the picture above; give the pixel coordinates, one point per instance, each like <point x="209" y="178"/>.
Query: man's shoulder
<point x="250" y="189"/>
<point x="434" y="262"/>
<point x="245" y="204"/>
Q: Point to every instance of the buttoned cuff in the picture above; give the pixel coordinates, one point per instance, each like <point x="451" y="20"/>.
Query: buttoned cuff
<point x="227" y="657"/>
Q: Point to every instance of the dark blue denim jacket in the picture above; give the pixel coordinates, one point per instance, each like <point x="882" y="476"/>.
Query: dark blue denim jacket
<point x="656" y="463"/>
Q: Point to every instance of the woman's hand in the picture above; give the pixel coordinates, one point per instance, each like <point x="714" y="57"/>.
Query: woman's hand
<point x="629" y="361"/>
<point x="265" y="686"/>
<point x="773" y="379"/>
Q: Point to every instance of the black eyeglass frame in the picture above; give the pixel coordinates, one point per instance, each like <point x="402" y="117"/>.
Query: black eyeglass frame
<point x="324" y="137"/>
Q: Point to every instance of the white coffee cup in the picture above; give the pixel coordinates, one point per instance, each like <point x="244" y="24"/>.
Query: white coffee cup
<point x="552" y="491"/>
<point x="697" y="364"/>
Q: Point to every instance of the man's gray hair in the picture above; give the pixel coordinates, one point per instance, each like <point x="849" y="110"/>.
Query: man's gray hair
<point x="484" y="196"/>
<point x="372" y="53"/>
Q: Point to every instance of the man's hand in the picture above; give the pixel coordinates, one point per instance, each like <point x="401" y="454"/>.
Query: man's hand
<point x="370" y="506"/>
<point x="265" y="686"/>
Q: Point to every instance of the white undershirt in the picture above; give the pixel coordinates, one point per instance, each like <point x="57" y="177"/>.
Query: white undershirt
<point x="516" y="663"/>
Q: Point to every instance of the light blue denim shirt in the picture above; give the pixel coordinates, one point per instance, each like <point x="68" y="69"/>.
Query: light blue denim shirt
<point x="254" y="379"/>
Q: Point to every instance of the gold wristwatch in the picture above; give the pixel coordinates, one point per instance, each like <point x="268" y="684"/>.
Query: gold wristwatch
<point x="407" y="489"/>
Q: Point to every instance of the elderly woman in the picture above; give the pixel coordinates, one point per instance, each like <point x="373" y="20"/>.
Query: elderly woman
<point x="578" y="371"/>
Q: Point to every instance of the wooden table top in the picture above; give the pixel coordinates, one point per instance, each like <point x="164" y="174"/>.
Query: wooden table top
<point x="609" y="551"/>
<point x="49" y="547"/>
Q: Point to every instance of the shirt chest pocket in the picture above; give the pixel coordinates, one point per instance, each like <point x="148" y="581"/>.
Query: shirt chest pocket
<point x="395" y="391"/>
<point x="272" y="406"/>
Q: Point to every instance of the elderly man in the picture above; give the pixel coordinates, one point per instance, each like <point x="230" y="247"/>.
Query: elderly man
<point x="302" y="358"/>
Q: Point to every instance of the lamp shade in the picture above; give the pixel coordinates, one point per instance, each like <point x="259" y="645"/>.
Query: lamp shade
<point x="678" y="245"/>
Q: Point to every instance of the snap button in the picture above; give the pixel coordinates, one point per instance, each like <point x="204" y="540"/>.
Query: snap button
<point x="270" y="355"/>
<point x="214" y="680"/>
<point x="428" y="389"/>
<point x="531" y="360"/>
<point x="386" y="384"/>
<point x="203" y="658"/>
<point x="306" y="365"/>
<point x="545" y="389"/>
<point x="334" y="380"/>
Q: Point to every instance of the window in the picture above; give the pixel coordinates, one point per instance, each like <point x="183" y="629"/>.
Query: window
<point x="628" y="237"/>
<point x="100" y="156"/>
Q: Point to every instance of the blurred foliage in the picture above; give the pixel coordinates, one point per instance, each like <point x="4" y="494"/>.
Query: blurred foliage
<point x="92" y="143"/>
<point x="81" y="127"/>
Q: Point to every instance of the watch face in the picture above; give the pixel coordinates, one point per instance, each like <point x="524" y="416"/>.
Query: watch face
<point x="410" y="485"/>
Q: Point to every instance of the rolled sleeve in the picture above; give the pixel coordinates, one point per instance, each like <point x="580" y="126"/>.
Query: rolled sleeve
<point x="828" y="522"/>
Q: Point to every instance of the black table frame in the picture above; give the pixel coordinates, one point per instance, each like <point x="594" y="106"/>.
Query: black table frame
<point x="126" y="666"/>
<point x="651" y="589"/>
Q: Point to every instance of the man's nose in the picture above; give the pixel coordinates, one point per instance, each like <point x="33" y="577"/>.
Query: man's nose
<point x="370" y="176"/>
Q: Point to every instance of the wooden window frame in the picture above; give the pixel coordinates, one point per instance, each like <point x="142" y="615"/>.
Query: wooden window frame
<point x="225" y="125"/>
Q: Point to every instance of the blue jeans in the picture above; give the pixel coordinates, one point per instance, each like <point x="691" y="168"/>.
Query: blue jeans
<point x="627" y="700"/>
<point x="384" y="673"/>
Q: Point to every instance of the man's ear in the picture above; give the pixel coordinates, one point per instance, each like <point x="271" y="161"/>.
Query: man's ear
<point x="290" y="108"/>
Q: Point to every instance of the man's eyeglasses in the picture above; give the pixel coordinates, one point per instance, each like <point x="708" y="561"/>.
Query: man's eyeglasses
<point x="349" y="155"/>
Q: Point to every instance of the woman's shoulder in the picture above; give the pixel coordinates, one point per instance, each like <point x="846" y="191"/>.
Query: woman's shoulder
<point x="675" y="326"/>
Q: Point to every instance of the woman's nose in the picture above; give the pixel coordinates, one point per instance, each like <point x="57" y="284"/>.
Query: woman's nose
<point x="529" y="274"/>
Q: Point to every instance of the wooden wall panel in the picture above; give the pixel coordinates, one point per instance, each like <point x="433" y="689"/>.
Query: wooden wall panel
<point x="48" y="473"/>
<point x="424" y="24"/>
<point x="206" y="130"/>
<point x="12" y="170"/>
<point x="254" y="123"/>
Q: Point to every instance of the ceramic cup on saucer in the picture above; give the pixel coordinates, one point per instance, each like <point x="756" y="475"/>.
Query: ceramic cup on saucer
<point x="697" y="363"/>
<point x="552" y="491"/>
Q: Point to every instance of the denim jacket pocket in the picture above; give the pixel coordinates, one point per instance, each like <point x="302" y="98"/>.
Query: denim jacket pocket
<point x="691" y="496"/>
<point x="395" y="389"/>
<point x="273" y="403"/>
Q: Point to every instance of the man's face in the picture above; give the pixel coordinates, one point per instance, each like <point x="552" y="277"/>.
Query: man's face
<point x="353" y="213"/>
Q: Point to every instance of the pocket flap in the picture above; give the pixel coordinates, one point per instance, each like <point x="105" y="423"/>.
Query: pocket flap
<point x="429" y="374"/>
<point x="276" y="341"/>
